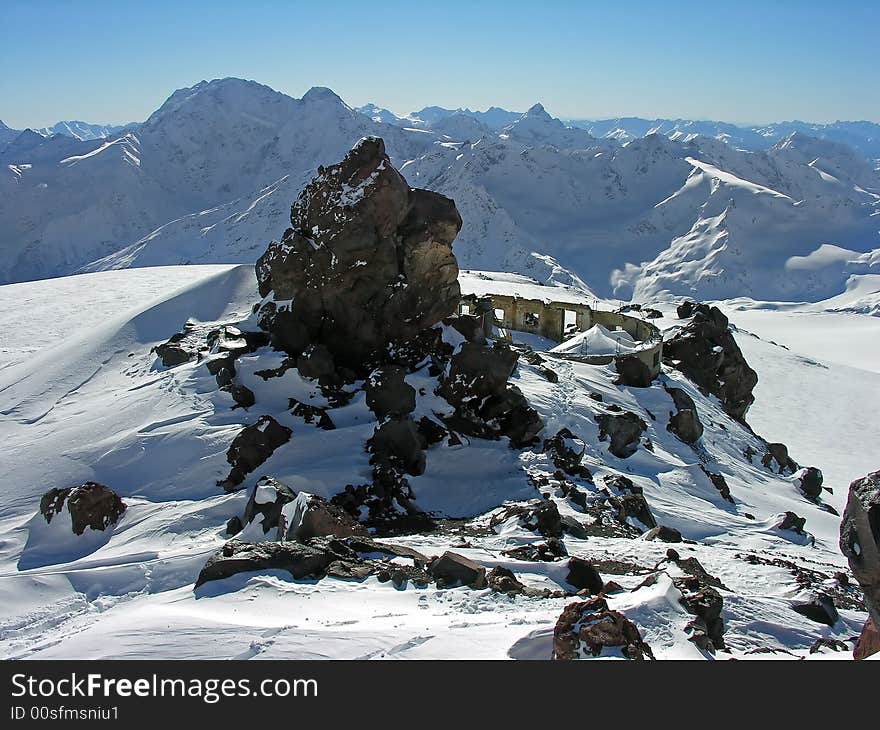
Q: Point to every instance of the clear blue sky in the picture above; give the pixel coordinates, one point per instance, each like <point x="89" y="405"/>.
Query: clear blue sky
<point x="737" y="60"/>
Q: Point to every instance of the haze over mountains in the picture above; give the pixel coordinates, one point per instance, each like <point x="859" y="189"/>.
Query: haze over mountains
<point x="625" y="208"/>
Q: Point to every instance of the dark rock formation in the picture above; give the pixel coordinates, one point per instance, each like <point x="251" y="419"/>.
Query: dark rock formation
<point x="663" y="533"/>
<point x="253" y="445"/>
<point x="632" y="371"/>
<point x="566" y="451"/>
<point x="503" y="580"/>
<point x="548" y="551"/>
<point x="301" y="561"/>
<point x="539" y="515"/>
<point x="367" y="262"/>
<point x="706" y="352"/>
<point x="399" y="441"/>
<point x="624" y="431"/>
<point x="628" y="500"/>
<point x="706" y="603"/>
<point x="454" y="569"/>
<point x="791" y="521"/>
<point x="719" y="482"/>
<point x="174" y="352"/>
<point x="587" y="628"/>
<point x="388" y="394"/>
<point x="860" y="538"/>
<point x="777" y="459"/>
<point x="685" y="422"/>
<point x="819" y="608"/>
<point x="583" y="575"/>
<point x="90" y="505"/>
<point x="809" y="481"/>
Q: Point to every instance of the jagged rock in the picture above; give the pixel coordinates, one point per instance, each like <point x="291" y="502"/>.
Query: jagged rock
<point x="265" y="502"/>
<point x="791" y="521"/>
<point x="809" y="481"/>
<point x="399" y="439"/>
<point x="468" y="326"/>
<point x="624" y="431"/>
<point x="869" y="641"/>
<point x="253" y="445"/>
<point x="539" y="515"/>
<point x="583" y="575"/>
<point x="301" y="561"/>
<point x="685" y="310"/>
<point x="629" y="501"/>
<point x="503" y="580"/>
<point x="719" y="482"/>
<point x="633" y="371"/>
<point x="311" y="414"/>
<point x="173" y="352"/>
<point x="478" y="371"/>
<point x="430" y="431"/>
<point x="860" y="538"/>
<point x="663" y="533"/>
<point x="566" y="451"/>
<point x="89" y="505"/>
<point x="242" y="395"/>
<point x="819" y="608"/>
<point x="367" y="262"/>
<point x="830" y="644"/>
<point x="693" y="568"/>
<point x="588" y="628"/>
<point x="706" y="603"/>
<point x="777" y="458"/>
<point x="234" y="525"/>
<point x="685" y="422"/>
<point x="547" y="552"/>
<point x="452" y="569"/>
<point x="705" y="351"/>
<point x="388" y="394"/>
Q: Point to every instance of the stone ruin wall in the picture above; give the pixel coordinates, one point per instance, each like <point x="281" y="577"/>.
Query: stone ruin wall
<point x="547" y="319"/>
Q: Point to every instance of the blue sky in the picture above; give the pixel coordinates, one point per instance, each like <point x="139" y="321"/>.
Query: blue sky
<point x="739" y="60"/>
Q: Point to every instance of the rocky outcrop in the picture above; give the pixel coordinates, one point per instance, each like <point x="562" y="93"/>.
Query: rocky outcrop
<point x="684" y="422"/>
<point x="367" y="262"/>
<point x="388" y="394"/>
<point x="452" y="569"/>
<point x="860" y="538"/>
<point x="90" y="505"/>
<point x="582" y="574"/>
<point x="809" y="481"/>
<point x="705" y="351"/>
<point x="567" y="450"/>
<point x="253" y="445"/>
<point x="633" y="371"/>
<point x="588" y="628"/>
<point x="777" y="459"/>
<point x="704" y="602"/>
<point x="869" y="641"/>
<point x="623" y="430"/>
<point x="818" y="607"/>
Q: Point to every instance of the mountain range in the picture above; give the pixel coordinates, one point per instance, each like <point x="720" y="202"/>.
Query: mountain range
<point x="629" y="208"/>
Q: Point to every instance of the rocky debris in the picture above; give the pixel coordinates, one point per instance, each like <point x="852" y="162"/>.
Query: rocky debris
<point x="777" y="459"/>
<point x="719" y="482"/>
<point x="685" y="310"/>
<point x="311" y="414"/>
<point x="286" y="515"/>
<point x="452" y="569"/>
<point x="647" y="312"/>
<point x="624" y="431"/>
<point x="242" y="395"/>
<point x="791" y="521"/>
<point x="234" y="525"/>
<point x="486" y="405"/>
<point x="316" y="363"/>
<point x="685" y="422"/>
<point x="860" y="538"/>
<point x="869" y="641"/>
<point x="388" y="394"/>
<point x="629" y="500"/>
<point x="583" y="575"/>
<point x="398" y="441"/>
<point x="588" y="628"/>
<point x="301" y="561"/>
<point x="706" y="603"/>
<point x="251" y="447"/>
<point x="633" y="371"/>
<point x="89" y="505"/>
<point x="176" y="350"/>
<point x="663" y="533"/>
<point x="809" y="481"/>
<point x="550" y="550"/>
<point x="705" y="351"/>
<point x="538" y="515"/>
<point x="693" y="568"/>
<point x="227" y="343"/>
<point x="819" y="608"/>
<point x="367" y="262"/>
<point x="430" y="431"/>
<point x="468" y="326"/>
<point x="503" y="580"/>
<point x="566" y="450"/>
<point x="819" y="645"/>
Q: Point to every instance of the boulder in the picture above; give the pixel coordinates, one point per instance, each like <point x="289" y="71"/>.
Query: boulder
<point x="89" y="505"/>
<point x="663" y="533"/>
<point x="624" y="431"/>
<point x="265" y="503"/>
<point x="310" y="516"/>
<point x="453" y="569"/>
<point x="685" y="422"/>
<point x="869" y="641"/>
<point x="706" y="603"/>
<point x="366" y="263"/>
<point x="251" y="447"/>
<point x="399" y="439"/>
<point x="583" y="575"/>
<point x="301" y="561"/>
<point x="809" y="481"/>
<point x="566" y="450"/>
<point x="588" y="629"/>
<point x="316" y="362"/>
<point x="388" y="394"/>
<point x="503" y="580"/>
<point x="633" y="371"/>
<point x="706" y="352"/>
<point x="791" y="521"/>
<point x="538" y="515"/>
<point x="860" y="538"/>
<point x="548" y="551"/>
<point x="819" y="608"/>
<point x="478" y="371"/>
<point x="777" y="459"/>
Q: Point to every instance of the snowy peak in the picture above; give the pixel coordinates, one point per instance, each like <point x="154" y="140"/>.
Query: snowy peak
<point x="538" y="112"/>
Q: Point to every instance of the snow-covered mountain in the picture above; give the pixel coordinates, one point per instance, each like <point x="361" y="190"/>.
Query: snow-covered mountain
<point x="208" y="178"/>
<point x="84" y="130"/>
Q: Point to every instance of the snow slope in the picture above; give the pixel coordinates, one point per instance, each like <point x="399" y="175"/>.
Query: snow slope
<point x="94" y="404"/>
